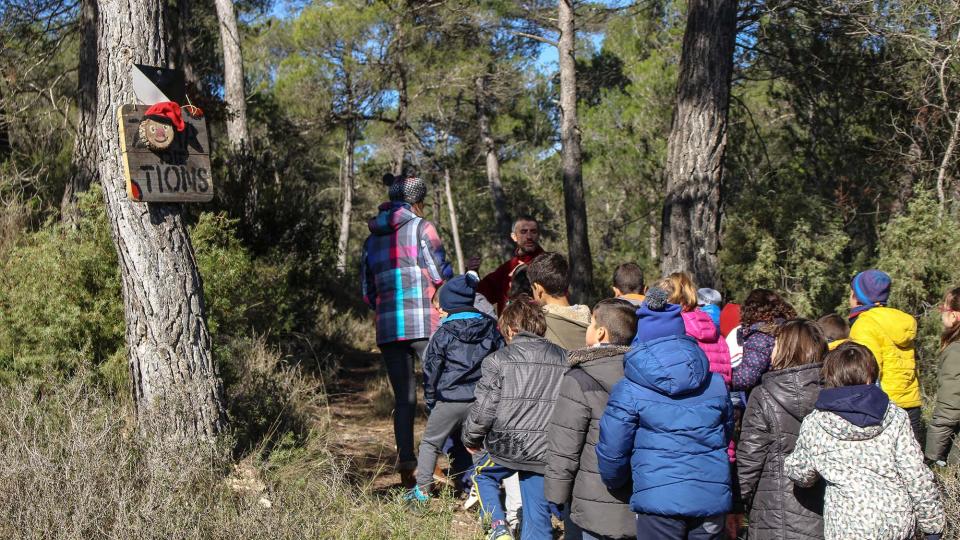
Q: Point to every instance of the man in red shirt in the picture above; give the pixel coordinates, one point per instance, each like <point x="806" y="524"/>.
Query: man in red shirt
<point x="495" y="286"/>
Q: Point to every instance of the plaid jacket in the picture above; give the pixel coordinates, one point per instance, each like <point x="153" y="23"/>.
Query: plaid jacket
<point x="403" y="263"/>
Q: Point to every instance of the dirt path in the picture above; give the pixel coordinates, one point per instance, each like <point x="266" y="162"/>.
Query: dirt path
<point x="360" y="405"/>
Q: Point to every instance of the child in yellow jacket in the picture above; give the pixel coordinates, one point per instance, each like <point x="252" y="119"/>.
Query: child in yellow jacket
<point x="889" y="334"/>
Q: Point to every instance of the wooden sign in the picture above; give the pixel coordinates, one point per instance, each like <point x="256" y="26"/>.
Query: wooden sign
<point x="178" y="173"/>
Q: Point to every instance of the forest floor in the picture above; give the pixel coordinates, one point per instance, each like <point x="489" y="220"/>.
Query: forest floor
<point x="360" y="404"/>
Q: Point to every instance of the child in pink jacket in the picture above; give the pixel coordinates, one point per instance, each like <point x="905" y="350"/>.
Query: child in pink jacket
<point x="698" y="323"/>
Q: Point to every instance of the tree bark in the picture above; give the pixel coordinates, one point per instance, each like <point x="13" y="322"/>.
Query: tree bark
<point x="83" y="166"/>
<point x="400" y="126"/>
<point x="578" y="244"/>
<point x="175" y="384"/>
<point x="698" y="136"/>
<point x="233" y="91"/>
<point x="454" y="227"/>
<point x="501" y="218"/>
<point x="346" y="208"/>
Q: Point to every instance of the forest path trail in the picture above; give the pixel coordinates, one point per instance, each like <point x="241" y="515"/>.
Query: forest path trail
<point x="360" y="405"/>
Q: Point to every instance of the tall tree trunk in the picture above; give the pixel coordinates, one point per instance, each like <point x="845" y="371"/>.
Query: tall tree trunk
<point x="83" y="166"/>
<point x="454" y="227"/>
<point x="172" y="371"/>
<point x="698" y="137"/>
<point x="346" y="208"/>
<point x="400" y="126"/>
<point x="182" y="33"/>
<point x="575" y="210"/>
<point x="232" y="75"/>
<point x="500" y="216"/>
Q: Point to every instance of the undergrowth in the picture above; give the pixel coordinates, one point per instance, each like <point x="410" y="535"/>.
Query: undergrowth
<point x="72" y="468"/>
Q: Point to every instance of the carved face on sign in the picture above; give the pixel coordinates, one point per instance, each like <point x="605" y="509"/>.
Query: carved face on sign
<point x="157" y="135"/>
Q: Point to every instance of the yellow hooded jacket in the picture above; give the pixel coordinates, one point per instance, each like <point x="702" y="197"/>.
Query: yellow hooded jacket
<point x="889" y="334"/>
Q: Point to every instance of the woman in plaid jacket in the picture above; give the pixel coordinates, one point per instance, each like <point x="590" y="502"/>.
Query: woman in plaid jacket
<point x="403" y="264"/>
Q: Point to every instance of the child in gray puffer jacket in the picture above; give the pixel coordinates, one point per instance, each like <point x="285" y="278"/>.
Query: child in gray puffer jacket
<point x="573" y="475"/>
<point x="514" y="401"/>
<point x="863" y="446"/>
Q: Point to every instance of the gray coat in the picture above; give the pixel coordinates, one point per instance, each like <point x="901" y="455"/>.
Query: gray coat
<point x="572" y="475"/>
<point x="771" y="425"/>
<point x="515" y="396"/>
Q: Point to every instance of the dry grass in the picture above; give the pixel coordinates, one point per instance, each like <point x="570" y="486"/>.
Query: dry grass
<point x="70" y="468"/>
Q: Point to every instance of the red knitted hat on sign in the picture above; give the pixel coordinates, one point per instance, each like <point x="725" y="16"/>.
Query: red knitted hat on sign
<point x="168" y="110"/>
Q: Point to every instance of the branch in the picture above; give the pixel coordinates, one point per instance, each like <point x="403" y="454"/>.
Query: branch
<point x="535" y="37"/>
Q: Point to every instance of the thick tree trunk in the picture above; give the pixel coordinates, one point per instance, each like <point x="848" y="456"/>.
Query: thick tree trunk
<point x="500" y="216"/>
<point x="346" y="208"/>
<point x="698" y="137"/>
<point x="174" y="378"/>
<point x="83" y="166"/>
<point x="575" y="210"/>
<point x="232" y="75"/>
<point x="454" y="227"/>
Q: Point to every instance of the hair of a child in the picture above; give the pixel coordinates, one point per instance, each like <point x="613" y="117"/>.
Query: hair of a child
<point x="520" y="283"/>
<point x="619" y="317"/>
<point x="628" y="278"/>
<point x="682" y="291"/>
<point x="850" y="364"/>
<point x="522" y="314"/>
<point x="950" y="335"/>
<point x="435" y="299"/>
<point x="799" y="342"/>
<point x="550" y="271"/>
<point x="834" y="327"/>
<point x="764" y="305"/>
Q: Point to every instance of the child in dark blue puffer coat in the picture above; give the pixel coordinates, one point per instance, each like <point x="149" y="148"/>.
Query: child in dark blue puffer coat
<point x="451" y="370"/>
<point x="671" y="420"/>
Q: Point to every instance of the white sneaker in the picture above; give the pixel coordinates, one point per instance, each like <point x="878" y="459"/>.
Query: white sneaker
<point x="472" y="498"/>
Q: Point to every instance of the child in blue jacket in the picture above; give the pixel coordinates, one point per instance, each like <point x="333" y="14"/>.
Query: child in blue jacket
<point x="671" y="420"/>
<point x="451" y="370"/>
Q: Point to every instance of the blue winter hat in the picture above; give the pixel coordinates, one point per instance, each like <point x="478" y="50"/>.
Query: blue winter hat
<point x="459" y="292"/>
<point x="656" y="318"/>
<point x="871" y="287"/>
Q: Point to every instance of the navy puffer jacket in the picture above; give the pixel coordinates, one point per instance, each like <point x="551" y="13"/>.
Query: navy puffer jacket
<point x="670" y="420"/>
<point x="451" y="364"/>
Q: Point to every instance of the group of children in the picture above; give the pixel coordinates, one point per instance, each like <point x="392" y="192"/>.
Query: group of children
<point x="641" y="418"/>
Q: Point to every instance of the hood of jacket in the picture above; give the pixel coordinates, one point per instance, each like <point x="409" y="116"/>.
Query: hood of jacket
<point x="700" y="326"/>
<point x="671" y="365"/>
<point x="795" y="389"/>
<point x="900" y="327"/>
<point x="578" y="314"/>
<point x="390" y="217"/>
<point x="859" y="412"/>
<point x="604" y="363"/>
<point x="765" y="327"/>
<point x="471" y="330"/>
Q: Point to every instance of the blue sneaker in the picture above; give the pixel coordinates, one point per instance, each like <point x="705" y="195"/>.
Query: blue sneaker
<point x="416" y="496"/>
<point x="499" y="531"/>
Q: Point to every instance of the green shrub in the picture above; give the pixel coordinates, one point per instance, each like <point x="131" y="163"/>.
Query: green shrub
<point x="61" y="309"/>
<point x="919" y="251"/>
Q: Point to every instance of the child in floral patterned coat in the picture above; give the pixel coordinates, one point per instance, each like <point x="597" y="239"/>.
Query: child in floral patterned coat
<point x="862" y="444"/>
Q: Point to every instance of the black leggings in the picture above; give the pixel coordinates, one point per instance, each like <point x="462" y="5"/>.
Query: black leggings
<point x="399" y="359"/>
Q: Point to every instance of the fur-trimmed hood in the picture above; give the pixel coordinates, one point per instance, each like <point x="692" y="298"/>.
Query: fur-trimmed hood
<point x="588" y="354"/>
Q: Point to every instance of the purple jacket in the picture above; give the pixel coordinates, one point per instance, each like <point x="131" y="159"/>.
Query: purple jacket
<point x="757" y="349"/>
<point x="403" y="263"/>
